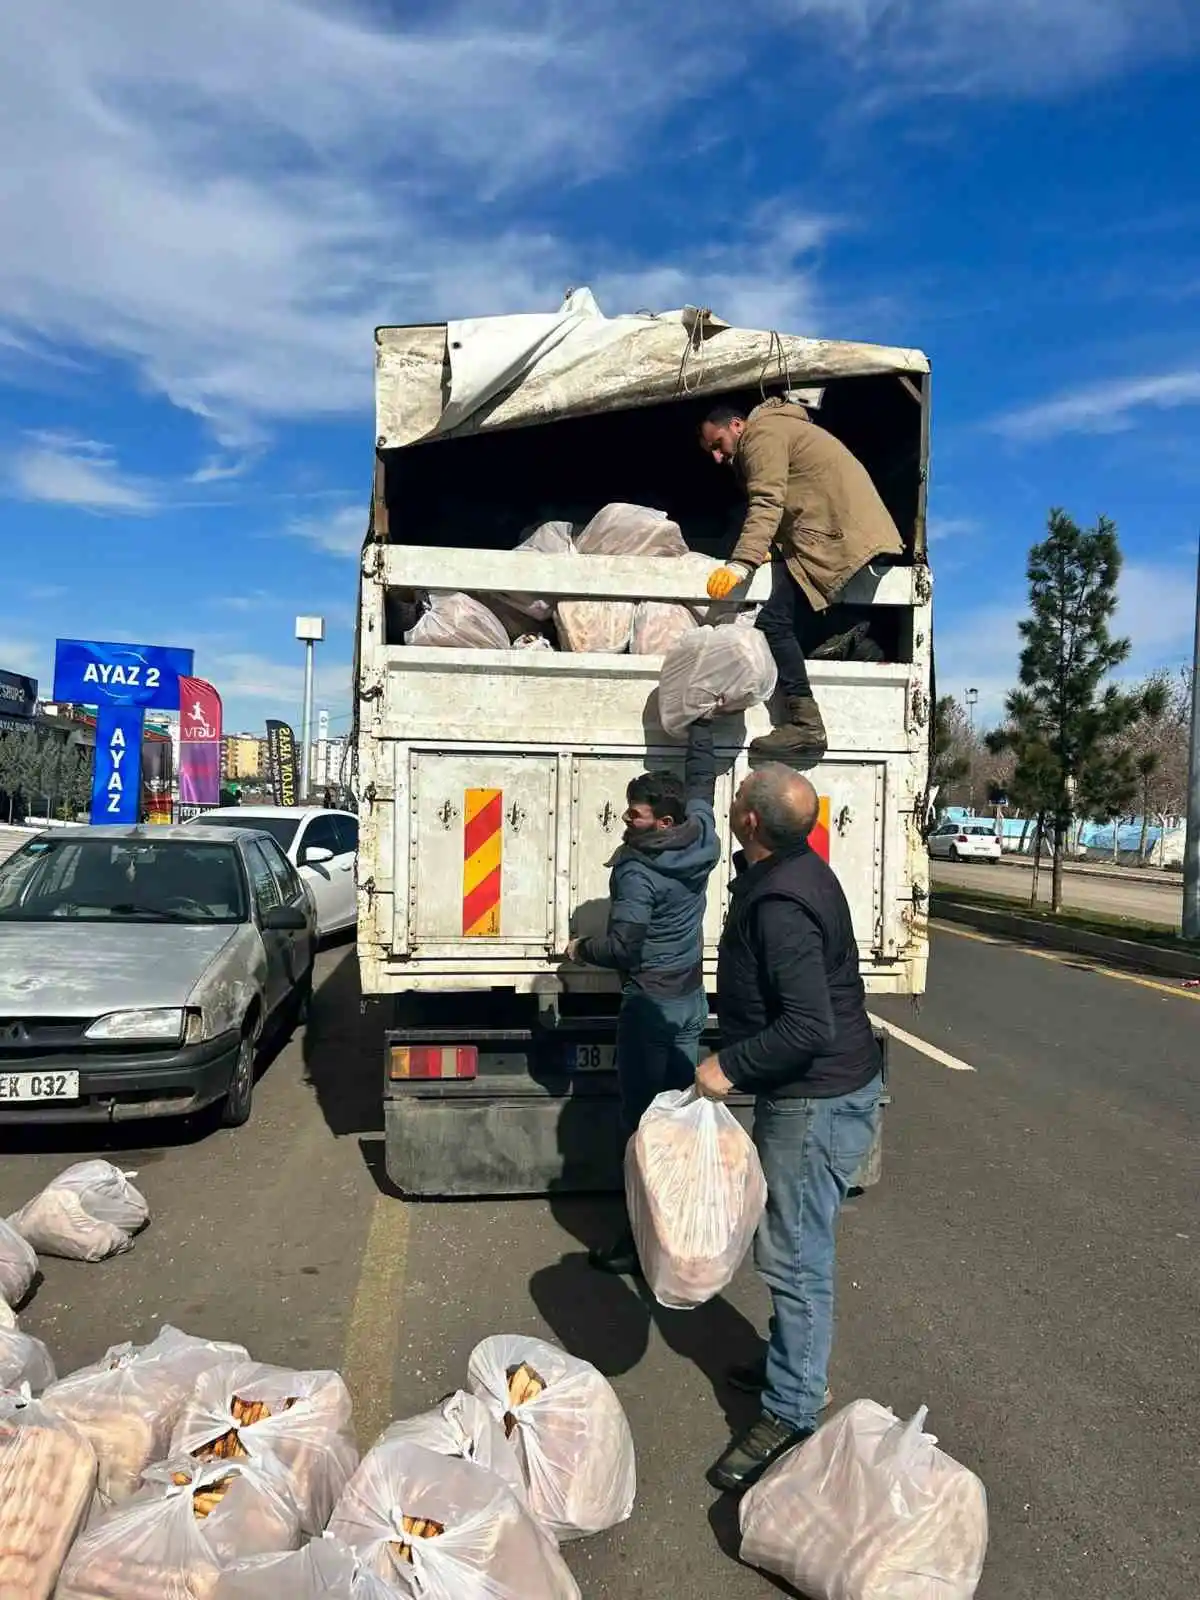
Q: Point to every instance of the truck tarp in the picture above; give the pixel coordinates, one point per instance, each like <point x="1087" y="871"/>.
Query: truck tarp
<point x="508" y="372"/>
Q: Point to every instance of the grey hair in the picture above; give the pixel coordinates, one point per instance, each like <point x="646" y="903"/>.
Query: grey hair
<point x="780" y="801"/>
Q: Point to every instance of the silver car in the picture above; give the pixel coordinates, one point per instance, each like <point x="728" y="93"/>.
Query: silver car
<point x="140" y="969"/>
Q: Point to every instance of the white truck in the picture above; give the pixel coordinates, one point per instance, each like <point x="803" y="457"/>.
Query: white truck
<point x="491" y="782"/>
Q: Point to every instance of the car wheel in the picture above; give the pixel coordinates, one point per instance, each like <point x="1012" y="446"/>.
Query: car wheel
<point x="236" y="1107"/>
<point x="953" y="852"/>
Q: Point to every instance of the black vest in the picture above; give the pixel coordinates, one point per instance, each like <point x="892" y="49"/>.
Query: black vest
<point x="745" y="1004"/>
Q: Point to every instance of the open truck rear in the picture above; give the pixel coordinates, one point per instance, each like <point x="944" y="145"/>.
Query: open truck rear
<point x="492" y="782"/>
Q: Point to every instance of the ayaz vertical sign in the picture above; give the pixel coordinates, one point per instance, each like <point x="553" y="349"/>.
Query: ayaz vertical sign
<point x="123" y="682"/>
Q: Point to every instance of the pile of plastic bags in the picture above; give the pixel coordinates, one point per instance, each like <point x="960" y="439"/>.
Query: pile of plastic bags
<point x="184" y="1468"/>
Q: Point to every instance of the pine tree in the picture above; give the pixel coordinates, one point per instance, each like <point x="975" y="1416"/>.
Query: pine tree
<point x="1065" y="722"/>
<point x="951" y="744"/>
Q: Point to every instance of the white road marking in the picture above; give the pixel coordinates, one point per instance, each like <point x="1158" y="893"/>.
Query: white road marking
<point x="922" y="1045"/>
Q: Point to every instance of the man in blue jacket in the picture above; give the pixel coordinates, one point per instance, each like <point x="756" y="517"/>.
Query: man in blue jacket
<point x="655" y="940"/>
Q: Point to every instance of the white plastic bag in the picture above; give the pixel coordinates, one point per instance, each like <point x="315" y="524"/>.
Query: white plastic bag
<point x="24" y="1360"/>
<point x="18" y="1266"/>
<point x="446" y="1529"/>
<point x="90" y="1211"/>
<point x="462" y="1426"/>
<point x="658" y="625"/>
<point x="714" y="670"/>
<point x="458" y="622"/>
<point x="8" y="1318"/>
<point x="606" y="626"/>
<point x="128" y="1403"/>
<point x="324" y="1569"/>
<point x="307" y="1429"/>
<point x="869" y="1509"/>
<point x="551" y="539"/>
<point x="165" y="1542"/>
<point x="47" y="1476"/>
<point x="572" y="1441"/>
<point x="696" y="1194"/>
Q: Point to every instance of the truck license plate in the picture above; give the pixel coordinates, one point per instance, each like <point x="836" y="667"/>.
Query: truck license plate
<point x="592" y="1057"/>
<point x="39" y="1086"/>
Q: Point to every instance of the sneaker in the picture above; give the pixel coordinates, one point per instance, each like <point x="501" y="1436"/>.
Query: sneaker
<point x="620" y="1258"/>
<point x="801" y="738"/>
<point x="751" y="1453"/>
<point x="752" y="1379"/>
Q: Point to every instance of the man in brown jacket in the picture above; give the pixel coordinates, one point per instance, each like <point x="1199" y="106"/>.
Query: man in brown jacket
<point x="816" y="514"/>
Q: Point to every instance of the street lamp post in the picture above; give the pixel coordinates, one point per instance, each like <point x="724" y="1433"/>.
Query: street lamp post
<point x="311" y="631"/>
<point x="972" y="702"/>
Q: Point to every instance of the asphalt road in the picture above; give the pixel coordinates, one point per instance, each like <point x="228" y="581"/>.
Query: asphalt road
<point x="1027" y="1268"/>
<point x="1155" y="901"/>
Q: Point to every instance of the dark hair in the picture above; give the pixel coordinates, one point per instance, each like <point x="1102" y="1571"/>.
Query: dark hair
<point x="785" y="817"/>
<point x="662" y="791"/>
<point x="722" y="416"/>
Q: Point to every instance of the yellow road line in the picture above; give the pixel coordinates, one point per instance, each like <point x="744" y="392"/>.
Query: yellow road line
<point x="1068" y="958"/>
<point x="373" y="1327"/>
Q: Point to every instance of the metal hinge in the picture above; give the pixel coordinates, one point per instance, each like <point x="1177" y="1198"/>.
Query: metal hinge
<point x="370" y="691"/>
<point x="368" y="888"/>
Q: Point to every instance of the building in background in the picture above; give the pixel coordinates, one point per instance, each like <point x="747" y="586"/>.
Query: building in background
<point x="242" y="757"/>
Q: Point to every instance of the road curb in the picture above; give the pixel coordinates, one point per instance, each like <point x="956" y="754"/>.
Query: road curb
<point x="1120" y="952"/>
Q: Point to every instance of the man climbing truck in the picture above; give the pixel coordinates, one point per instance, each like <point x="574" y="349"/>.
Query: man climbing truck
<point x="491" y="768"/>
<point x="817" y="517"/>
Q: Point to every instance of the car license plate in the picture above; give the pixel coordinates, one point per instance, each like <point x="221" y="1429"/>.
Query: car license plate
<point x="591" y="1057"/>
<point x="39" y="1086"/>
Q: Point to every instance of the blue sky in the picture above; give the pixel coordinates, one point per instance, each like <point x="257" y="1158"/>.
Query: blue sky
<point x="205" y="210"/>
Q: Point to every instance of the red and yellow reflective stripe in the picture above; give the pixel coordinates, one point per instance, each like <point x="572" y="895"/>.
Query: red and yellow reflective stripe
<point x="818" y="839"/>
<point x="482" y="833"/>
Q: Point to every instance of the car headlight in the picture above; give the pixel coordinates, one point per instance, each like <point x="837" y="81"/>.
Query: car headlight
<point x="141" y="1027"/>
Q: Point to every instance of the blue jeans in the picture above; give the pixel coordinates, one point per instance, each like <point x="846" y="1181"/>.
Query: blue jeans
<point x="658" y="1045"/>
<point x="811" y="1151"/>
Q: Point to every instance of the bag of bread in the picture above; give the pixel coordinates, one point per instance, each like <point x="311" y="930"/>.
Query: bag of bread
<point x="24" y="1360"/>
<point x="458" y="622"/>
<point x="323" y="1569"/>
<point x="868" y="1509"/>
<point x="173" y="1537"/>
<point x="47" y="1478"/>
<point x="696" y="1193"/>
<point x="658" y="625"/>
<point x="606" y="626"/>
<point x="570" y="1434"/>
<point x="88" y="1212"/>
<point x="127" y="1404"/>
<point x="714" y="671"/>
<point x="18" y="1266"/>
<point x="462" y="1426"/>
<point x="300" y="1421"/>
<point x="8" y="1318"/>
<point x="442" y="1528"/>
<point x="550" y="539"/>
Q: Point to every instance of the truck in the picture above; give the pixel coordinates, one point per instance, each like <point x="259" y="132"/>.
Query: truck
<point x="491" y="781"/>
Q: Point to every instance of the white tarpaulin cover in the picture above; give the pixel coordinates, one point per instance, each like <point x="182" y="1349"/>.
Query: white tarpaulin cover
<point x="506" y="372"/>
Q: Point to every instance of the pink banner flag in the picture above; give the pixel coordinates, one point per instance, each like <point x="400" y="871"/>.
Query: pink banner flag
<point x="199" y="745"/>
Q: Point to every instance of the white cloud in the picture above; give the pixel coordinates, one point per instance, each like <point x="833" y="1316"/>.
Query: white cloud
<point x="942" y="529"/>
<point x="60" y="469"/>
<point x="1102" y="407"/>
<point x="340" y="532"/>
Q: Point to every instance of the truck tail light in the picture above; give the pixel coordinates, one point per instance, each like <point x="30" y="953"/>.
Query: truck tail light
<point x="433" y="1061"/>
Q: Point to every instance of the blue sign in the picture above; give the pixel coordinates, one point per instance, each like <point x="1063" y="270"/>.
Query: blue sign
<point x="91" y="672"/>
<point x="117" y="784"/>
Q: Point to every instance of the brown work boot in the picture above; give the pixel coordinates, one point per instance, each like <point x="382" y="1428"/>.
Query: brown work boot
<point x="800" y="739"/>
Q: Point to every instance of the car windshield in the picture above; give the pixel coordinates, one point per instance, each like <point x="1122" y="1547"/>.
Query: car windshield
<point x="281" y="829"/>
<point x="119" y="880"/>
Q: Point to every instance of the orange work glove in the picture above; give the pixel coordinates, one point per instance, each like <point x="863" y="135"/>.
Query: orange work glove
<point x="724" y="581"/>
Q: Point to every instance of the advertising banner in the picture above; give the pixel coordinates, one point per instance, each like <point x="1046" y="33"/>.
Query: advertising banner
<point x="18" y="699"/>
<point x="281" y="756"/>
<point x="94" y="672"/>
<point x="117" y="783"/>
<point x="157" y="773"/>
<point x="199" y="746"/>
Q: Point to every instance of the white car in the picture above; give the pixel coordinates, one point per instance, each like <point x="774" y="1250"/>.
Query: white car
<point x="322" y="846"/>
<point x="974" y="839"/>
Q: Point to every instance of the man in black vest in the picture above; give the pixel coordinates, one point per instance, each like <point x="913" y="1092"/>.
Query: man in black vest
<point x="795" y="1033"/>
